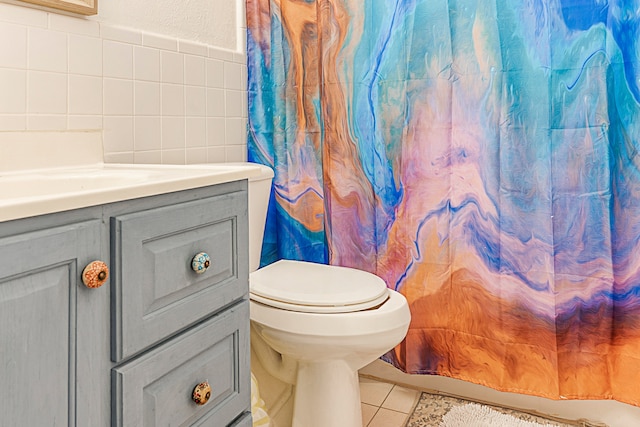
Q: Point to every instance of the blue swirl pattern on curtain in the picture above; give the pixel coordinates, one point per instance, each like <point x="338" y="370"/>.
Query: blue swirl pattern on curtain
<point x="481" y="156"/>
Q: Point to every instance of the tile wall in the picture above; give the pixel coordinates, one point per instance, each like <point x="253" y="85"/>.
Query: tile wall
<point x="157" y="99"/>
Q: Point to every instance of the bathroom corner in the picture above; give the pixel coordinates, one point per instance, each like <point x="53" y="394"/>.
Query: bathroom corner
<point x="158" y="89"/>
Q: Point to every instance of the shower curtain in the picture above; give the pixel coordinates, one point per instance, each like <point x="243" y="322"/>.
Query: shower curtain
<point x="481" y="156"/>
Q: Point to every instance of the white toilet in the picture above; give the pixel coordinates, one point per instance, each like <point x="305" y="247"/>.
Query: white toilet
<point x="315" y="325"/>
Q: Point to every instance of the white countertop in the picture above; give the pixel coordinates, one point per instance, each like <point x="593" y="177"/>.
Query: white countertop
<point x="84" y="180"/>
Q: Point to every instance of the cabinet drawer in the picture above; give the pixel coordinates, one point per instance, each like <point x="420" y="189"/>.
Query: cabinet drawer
<point x="155" y="389"/>
<point x="155" y="292"/>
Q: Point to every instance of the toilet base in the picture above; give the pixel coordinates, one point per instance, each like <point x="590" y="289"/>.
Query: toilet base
<point x="327" y="395"/>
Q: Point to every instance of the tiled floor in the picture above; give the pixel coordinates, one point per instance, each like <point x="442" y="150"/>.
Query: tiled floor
<point x="385" y="405"/>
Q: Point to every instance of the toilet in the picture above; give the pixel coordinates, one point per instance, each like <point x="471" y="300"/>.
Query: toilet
<point x="313" y="326"/>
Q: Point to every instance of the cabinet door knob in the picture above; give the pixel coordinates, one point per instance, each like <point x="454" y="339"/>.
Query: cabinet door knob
<point x="95" y="274"/>
<point x="201" y="393"/>
<point x="201" y="262"/>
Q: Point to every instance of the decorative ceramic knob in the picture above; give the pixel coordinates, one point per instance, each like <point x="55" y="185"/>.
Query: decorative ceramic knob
<point x="95" y="274"/>
<point x="201" y="393"/>
<point x="201" y="262"/>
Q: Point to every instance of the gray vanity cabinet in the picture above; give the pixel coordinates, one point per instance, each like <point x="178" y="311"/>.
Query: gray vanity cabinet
<point x="52" y="328"/>
<point x="128" y="353"/>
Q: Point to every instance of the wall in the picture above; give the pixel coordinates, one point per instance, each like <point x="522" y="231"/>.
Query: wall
<point x="212" y="22"/>
<point x="157" y="97"/>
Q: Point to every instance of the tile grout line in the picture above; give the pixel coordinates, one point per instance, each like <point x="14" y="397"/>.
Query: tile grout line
<point x="381" y="406"/>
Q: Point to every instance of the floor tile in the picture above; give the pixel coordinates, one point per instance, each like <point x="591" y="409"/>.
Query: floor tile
<point x="401" y="399"/>
<point x="388" y="418"/>
<point x="368" y="411"/>
<point x="373" y="392"/>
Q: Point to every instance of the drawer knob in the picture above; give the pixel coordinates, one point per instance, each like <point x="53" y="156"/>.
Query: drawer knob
<point x="95" y="274"/>
<point x="201" y="393"/>
<point x="201" y="262"/>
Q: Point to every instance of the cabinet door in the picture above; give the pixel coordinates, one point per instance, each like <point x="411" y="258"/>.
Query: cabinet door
<point x="40" y="297"/>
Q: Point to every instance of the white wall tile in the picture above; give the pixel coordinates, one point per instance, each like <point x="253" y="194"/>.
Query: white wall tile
<point x="156" y="98"/>
<point x="215" y="73"/>
<point x="232" y="76"/>
<point x="85" y="55"/>
<point x="47" y="50"/>
<point x="85" y="95"/>
<point x="120" y="34"/>
<point x="172" y="100"/>
<point x="173" y="130"/>
<point x="235" y="153"/>
<point x="243" y="77"/>
<point x="233" y="103"/>
<point x="196" y="132"/>
<point x="196" y="101"/>
<point x="13" y="45"/>
<point x="240" y="58"/>
<point x="15" y="122"/>
<point x="196" y="155"/>
<point x="185" y="46"/>
<point x="46" y="92"/>
<point x="13" y="87"/>
<point x="118" y="134"/>
<point x="245" y="105"/>
<point x="84" y="122"/>
<point x="235" y="133"/>
<point x="173" y="157"/>
<point x="216" y="131"/>
<point x="195" y="70"/>
<point x="216" y="155"/>
<point x="147" y="157"/>
<point x="146" y="98"/>
<point x="222" y="54"/>
<point x="47" y="122"/>
<point x="215" y="103"/>
<point x="117" y="59"/>
<point x="146" y="63"/>
<point x="159" y="42"/>
<point x="123" y="157"/>
<point x="171" y="67"/>
<point x="118" y="97"/>
<point x="147" y="133"/>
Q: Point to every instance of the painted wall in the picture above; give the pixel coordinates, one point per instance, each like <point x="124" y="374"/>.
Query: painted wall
<point x="212" y="22"/>
<point x="160" y="93"/>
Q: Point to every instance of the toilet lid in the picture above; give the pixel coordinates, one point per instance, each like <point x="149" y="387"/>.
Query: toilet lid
<point x="316" y="288"/>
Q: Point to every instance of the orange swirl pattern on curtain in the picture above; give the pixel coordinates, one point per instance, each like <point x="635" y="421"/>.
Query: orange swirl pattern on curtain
<point x="480" y="157"/>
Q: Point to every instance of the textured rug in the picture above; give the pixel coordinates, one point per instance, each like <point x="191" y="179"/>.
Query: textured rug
<point x="435" y="410"/>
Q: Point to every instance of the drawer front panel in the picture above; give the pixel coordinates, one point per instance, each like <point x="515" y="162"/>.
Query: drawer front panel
<point x="156" y="293"/>
<point x="155" y="389"/>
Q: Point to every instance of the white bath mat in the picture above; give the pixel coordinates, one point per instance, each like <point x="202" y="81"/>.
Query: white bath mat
<point x="436" y="410"/>
<point x="476" y="415"/>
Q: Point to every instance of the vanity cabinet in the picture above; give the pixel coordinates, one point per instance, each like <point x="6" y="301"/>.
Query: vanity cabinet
<point x="50" y="327"/>
<point x="131" y="352"/>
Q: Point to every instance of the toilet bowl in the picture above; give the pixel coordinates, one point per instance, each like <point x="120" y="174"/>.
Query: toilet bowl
<point x="320" y="324"/>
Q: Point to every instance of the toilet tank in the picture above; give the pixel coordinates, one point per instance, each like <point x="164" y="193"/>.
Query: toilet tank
<point x="259" y="192"/>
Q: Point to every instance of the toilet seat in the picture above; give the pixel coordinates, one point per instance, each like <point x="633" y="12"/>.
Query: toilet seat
<point x="316" y="288"/>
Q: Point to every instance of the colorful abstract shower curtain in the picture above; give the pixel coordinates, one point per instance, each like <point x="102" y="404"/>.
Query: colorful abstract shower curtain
<point x="479" y="155"/>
